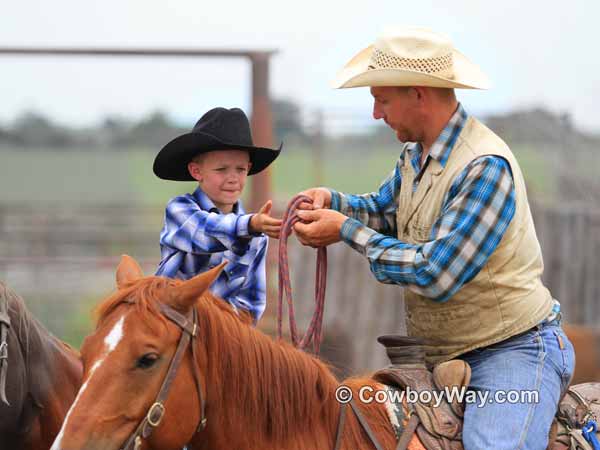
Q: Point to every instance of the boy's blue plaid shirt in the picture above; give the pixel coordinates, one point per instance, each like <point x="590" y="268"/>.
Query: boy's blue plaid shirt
<point x="461" y="241"/>
<point x="197" y="236"/>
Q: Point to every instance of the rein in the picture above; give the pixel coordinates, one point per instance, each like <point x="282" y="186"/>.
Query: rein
<point x="155" y="414"/>
<point x="4" y="326"/>
<point x="314" y="332"/>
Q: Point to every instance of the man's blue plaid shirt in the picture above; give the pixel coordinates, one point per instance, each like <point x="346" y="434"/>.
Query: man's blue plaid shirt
<point x="461" y="241"/>
<point x="197" y="236"/>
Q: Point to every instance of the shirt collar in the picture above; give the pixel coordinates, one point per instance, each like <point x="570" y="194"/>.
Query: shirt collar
<point x="443" y="145"/>
<point x="207" y="204"/>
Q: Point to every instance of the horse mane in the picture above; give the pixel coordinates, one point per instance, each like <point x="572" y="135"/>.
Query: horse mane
<point x="293" y="390"/>
<point x="144" y="294"/>
<point x="26" y="327"/>
<point x="21" y="318"/>
<point x="278" y="389"/>
<point x="29" y="331"/>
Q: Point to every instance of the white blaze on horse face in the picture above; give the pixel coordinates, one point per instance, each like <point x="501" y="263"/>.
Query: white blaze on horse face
<point x="114" y="337"/>
<point x="57" y="441"/>
<point x="111" y="341"/>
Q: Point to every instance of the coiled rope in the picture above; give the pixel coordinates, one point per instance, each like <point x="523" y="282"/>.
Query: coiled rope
<point x="314" y="332"/>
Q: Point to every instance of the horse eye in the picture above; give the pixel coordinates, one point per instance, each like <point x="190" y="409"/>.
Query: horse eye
<point x="147" y="361"/>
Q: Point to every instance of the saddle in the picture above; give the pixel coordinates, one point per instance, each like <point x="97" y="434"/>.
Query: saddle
<point x="578" y="408"/>
<point x="440" y="427"/>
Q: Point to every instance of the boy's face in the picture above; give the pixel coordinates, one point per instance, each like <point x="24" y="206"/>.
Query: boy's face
<point x="222" y="175"/>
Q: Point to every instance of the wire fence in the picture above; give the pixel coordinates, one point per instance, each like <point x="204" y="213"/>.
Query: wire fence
<point x="62" y="261"/>
<point x="66" y="217"/>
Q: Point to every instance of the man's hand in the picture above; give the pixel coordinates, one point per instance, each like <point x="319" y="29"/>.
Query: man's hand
<point x="320" y="227"/>
<point x="262" y="222"/>
<point x="320" y="196"/>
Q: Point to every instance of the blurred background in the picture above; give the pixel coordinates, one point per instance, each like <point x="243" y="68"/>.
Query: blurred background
<point x="78" y="135"/>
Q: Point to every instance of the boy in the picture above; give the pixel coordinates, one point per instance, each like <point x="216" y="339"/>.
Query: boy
<point x="206" y="227"/>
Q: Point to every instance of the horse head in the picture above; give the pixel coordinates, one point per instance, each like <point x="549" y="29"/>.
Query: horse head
<point x="126" y="361"/>
<point x="235" y="388"/>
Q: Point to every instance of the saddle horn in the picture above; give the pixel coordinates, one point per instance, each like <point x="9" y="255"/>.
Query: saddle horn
<point x="403" y="350"/>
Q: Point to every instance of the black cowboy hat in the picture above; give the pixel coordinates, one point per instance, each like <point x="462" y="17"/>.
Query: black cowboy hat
<point x="218" y="129"/>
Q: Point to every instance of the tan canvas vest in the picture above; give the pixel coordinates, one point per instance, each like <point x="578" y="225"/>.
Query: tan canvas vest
<point x="507" y="296"/>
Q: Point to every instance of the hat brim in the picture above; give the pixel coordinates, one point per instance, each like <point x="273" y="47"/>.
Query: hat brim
<point x="356" y="73"/>
<point x="172" y="160"/>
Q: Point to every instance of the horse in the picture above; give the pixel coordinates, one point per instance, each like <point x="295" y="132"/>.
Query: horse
<point x="170" y="365"/>
<point x="42" y="376"/>
<point x="236" y="389"/>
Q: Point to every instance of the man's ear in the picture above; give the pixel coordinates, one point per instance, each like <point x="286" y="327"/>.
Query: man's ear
<point x="416" y="92"/>
<point x="195" y="170"/>
<point x="422" y="94"/>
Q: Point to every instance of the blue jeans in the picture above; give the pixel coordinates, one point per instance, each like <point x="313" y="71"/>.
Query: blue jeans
<point x="541" y="360"/>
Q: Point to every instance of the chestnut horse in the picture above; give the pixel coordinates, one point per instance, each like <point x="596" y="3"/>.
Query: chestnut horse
<point x="258" y="393"/>
<point x="43" y="376"/>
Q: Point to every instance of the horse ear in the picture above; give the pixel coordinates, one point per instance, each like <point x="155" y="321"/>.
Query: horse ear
<point x="185" y="295"/>
<point x="128" y="270"/>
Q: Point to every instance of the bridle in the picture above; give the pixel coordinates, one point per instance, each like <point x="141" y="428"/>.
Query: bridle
<point x="154" y="416"/>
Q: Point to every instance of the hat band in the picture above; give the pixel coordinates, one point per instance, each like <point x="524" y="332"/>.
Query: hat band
<point x="440" y="65"/>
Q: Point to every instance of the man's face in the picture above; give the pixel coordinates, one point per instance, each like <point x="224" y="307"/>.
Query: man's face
<point x="222" y="175"/>
<point x="400" y="110"/>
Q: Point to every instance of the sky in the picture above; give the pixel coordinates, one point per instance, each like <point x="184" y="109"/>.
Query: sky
<point x="536" y="53"/>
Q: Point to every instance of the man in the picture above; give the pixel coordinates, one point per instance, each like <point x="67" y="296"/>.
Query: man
<point x="452" y="224"/>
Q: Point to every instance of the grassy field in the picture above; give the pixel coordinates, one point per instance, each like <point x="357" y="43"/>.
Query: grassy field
<point x="103" y="177"/>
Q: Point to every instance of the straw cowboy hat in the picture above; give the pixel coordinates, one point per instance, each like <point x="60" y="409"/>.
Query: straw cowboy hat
<point x="218" y="129"/>
<point x="411" y="57"/>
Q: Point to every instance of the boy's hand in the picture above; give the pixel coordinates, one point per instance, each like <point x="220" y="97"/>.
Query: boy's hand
<point x="262" y="222"/>
<point x="321" y="198"/>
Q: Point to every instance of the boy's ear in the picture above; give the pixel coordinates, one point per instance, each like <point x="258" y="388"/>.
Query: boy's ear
<point x="195" y="170"/>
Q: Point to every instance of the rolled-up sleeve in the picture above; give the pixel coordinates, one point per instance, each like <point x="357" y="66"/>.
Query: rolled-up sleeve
<point x="475" y="215"/>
